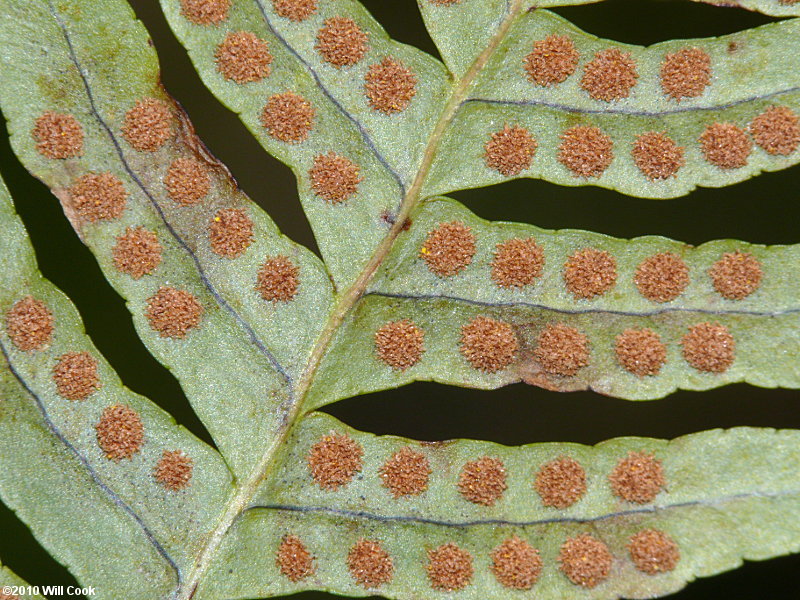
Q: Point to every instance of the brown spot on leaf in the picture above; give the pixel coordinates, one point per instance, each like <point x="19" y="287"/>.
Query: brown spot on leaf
<point x="590" y="272"/>
<point x="585" y="560"/>
<point x="173" y="313"/>
<point x="293" y="559"/>
<point x="187" y="181"/>
<point x="777" y="130"/>
<point x="288" y="117"/>
<point x="562" y="350"/>
<point x="98" y="197"/>
<point x="657" y="155"/>
<point x="295" y="10"/>
<point x="58" y="135"/>
<point x="390" y="86"/>
<point x="638" y="477"/>
<point x="406" y="473"/>
<point x="510" y="151"/>
<point x="552" y="60"/>
<point x="561" y="482"/>
<point x="75" y="375"/>
<point x="400" y="344"/>
<point x="686" y="73"/>
<point x="709" y="347"/>
<point x="148" y="125"/>
<point x="341" y="42"/>
<point x="516" y="564"/>
<point x="174" y="470"/>
<point x="120" y="433"/>
<point x="243" y="57"/>
<point x="586" y="151"/>
<point x="725" y="145"/>
<point x="483" y="481"/>
<point x="334" y="178"/>
<point x="517" y="262"/>
<point x="610" y="75"/>
<point x="369" y="564"/>
<point x="653" y="552"/>
<point x="230" y="232"/>
<point x="205" y="12"/>
<point x="278" y="279"/>
<point x="662" y="277"/>
<point x="736" y="275"/>
<point x="489" y="345"/>
<point x="445" y="2"/>
<point x="449" y="568"/>
<point x="448" y="249"/>
<point x="640" y="351"/>
<point x="29" y="324"/>
<point x="334" y="460"/>
<point x="137" y="252"/>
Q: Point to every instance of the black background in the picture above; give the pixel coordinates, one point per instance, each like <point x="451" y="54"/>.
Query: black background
<point x="763" y="210"/>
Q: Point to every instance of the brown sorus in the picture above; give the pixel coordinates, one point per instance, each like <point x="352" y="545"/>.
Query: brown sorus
<point x="585" y="560"/>
<point x="205" y="12"/>
<point x="516" y="564"/>
<point x="610" y="75"/>
<point x="278" y="279"/>
<point x="29" y="324"/>
<point x="75" y="375"/>
<point x="230" y="232"/>
<point x="148" y="125"/>
<point x="288" y="117"/>
<point x="662" y="277"/>
<point x="295" y="10"/>
<point x="449" y="568"/>
<point x="653" y="552"/>
<point x="640" y="351"/>
<point x="510" y="151"/>
<point x="406" y="473"/>
<point x="725" y="145"/>
<point x="98" y="197"/>
<point x="58" y="135"/>
<point x="686" y="73"/>
<point x="517" y="262"/>
<point x="449" y="248"/>
<point x="293" y="559"/>
<point x="561" y="482"/>
<point x="341" y="42"/>
<point x="736" y="275"/>
<point x="709" y="347"/>
<point x="489" y="345"/>
<point x="390" y="86"/>
<point x="174" y="470"/>
<point x="586" y="151"/>
<point x="657" y="155"/>
<point x="562" y="350"/>
<point x="137" y="252"/>
<point x="483" y="481"/>
<point x="551" y="61"/>
<point x="120" y="433"/>
<point x="243" y="57"/>
<point x="369" y="564"/>
<point x="334" y="460"/>
<point x="173" y="313"/>
<point x="400" y="344"/>
<point x="638" y="477"/>
<point x="777" y="130"/>
<point x="334" y="178"/>
<point x="589" y="273"/>
<point x="187" y="181"/>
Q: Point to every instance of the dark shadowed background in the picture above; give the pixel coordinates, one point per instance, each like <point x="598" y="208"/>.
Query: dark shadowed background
<point x="763" y="210"/>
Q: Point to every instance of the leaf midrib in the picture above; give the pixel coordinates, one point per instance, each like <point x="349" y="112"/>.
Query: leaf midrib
<point x="244" y="493"/>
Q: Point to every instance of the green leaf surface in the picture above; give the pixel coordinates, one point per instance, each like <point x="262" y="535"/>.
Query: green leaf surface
<point x="106" y="517"/>
<point x="9" y="578"/>
<point x="729" y="495"/>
